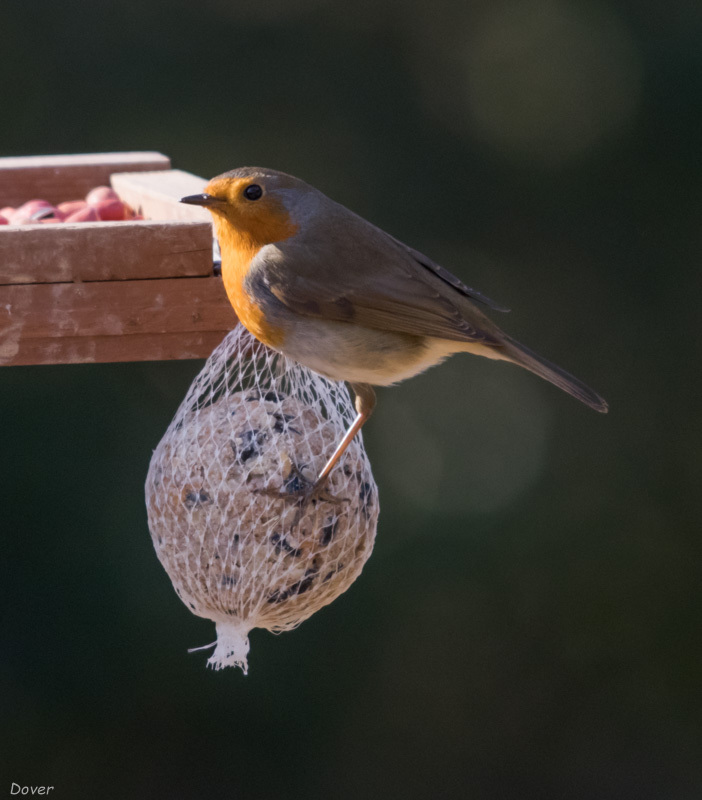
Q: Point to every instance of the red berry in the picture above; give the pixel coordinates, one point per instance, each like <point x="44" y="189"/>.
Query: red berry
<point x="99" y="194"/>
<point x="86" y="214"/>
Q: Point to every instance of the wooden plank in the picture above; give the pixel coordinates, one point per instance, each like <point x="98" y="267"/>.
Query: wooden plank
<point x="157" y="194"/>
<point x="35" y="318"/>
<point x="102" y="292"/>
<point x="67" y="177"/>
<point x="104" y="251"/>
<point x="109" y="349"/>
<point x="117" y="308"/>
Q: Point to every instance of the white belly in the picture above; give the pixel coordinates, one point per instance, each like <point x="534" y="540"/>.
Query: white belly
<point x="344" y="352"/>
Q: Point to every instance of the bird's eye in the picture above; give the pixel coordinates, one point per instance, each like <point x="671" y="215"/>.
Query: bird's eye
<point x="253" y="191"/>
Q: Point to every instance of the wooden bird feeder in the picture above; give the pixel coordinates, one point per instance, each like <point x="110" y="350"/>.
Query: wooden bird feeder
<point x="89" y="292"/>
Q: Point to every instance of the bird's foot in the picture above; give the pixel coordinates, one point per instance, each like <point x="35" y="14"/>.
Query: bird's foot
<point x="302" y="492"/>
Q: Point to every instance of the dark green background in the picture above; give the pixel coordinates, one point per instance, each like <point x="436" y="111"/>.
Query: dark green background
<point x="528" y="625"/>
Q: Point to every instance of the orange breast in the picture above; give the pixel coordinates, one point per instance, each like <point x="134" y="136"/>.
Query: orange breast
<point x="237" y="253"/>
<point x="251" y="315"/>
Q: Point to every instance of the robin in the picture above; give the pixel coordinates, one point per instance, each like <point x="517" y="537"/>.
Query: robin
<point x="313" y="280"/>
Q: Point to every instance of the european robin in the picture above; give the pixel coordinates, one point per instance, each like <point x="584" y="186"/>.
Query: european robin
<point x="313" y="280"/>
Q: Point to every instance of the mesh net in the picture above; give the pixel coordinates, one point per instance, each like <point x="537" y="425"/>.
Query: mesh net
<point x="254" y="430"/>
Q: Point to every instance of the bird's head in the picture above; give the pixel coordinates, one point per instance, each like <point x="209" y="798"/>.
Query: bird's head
<point x="260" y="206"/>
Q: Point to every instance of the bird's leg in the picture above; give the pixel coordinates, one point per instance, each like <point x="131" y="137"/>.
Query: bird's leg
<point x="364" y="403"/>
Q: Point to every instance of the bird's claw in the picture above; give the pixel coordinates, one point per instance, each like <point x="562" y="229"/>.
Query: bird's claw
<point x="300" y="491"/>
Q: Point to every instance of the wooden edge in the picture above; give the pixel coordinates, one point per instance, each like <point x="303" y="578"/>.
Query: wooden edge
<point x="125" y="159"/>
<point x="112" y="320"/>
<point x="176" y="346"/>
<point x="67" y="177"/>
<point x="157" y="194"/>
<point x="104" y="251"/>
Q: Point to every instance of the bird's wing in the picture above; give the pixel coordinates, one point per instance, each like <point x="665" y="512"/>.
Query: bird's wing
<point x="353" y="272"/>
<point x="449" y="278"/>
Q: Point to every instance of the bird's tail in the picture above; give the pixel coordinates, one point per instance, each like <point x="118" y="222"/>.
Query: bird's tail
<point x="517" y="353"/>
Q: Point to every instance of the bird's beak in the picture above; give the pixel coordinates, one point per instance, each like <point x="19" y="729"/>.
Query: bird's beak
<point x="200" y="200"/>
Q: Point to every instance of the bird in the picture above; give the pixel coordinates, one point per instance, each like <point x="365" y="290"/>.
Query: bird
<point x="313" y="280"/>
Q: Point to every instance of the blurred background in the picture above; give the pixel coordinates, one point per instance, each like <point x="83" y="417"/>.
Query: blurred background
<point x="528" y="625"/>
